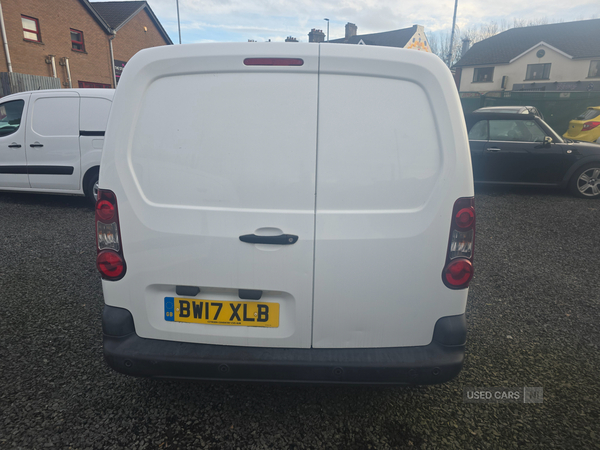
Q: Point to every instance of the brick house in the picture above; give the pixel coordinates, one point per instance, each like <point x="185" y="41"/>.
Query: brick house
<point x="136" y="28"/>
<point x="74" y="40"/>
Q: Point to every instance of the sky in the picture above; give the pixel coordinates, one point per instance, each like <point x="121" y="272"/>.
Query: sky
<point x="261" y="20"/>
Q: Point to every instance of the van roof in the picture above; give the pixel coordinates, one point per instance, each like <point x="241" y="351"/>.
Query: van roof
<point x="104" y="93"/>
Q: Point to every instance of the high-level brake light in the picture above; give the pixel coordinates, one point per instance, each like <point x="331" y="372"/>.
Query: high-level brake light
<point x="273" y="62"/>
<point x="458" y="270"/>
<point x="109" y="260"/>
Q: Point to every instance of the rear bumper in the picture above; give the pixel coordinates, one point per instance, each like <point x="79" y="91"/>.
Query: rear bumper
<point x="130" y="354"/>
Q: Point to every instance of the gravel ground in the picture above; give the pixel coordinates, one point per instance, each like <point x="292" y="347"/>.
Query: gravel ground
<point x="533" y="321"/>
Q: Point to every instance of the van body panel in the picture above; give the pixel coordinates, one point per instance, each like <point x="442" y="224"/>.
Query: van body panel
<point x="389" y="172"/>
<point x="13" y="159"/>
<point x="55" y="119"/>
<point x="94" y="112"/>
<point x="193" y="187"/>
<point x="360" y="153"/>
<point x="52" y="141"/>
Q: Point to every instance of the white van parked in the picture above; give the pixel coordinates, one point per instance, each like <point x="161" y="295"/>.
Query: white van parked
<point x="51" y="140"/>
<point x="294" y="213"/>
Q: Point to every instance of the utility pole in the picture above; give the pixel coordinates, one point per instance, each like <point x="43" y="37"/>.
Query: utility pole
<point x="327" y="29"/>
<point x="452" y="34"/>
<point x="179" y="24"/>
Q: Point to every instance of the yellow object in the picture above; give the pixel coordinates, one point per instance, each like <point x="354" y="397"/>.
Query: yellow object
<point x="586" y="127"/>
<point x="245" y="314"/>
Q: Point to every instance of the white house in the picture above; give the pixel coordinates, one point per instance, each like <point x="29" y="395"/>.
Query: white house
<point x="554" y="57"/>
<point x="411" y="38"/>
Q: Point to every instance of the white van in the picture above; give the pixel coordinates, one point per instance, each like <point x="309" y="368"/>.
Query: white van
<point x="286" y="212"/>
<point x="51" y="140"/>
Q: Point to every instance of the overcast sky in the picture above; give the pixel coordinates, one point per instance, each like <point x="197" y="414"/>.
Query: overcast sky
<point x="261" y="20"/>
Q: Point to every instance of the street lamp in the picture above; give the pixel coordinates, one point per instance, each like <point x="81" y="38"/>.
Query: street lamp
<point x="450" y="52"/>
<point x="178" y="23"/>
<point x="327" y="29"/>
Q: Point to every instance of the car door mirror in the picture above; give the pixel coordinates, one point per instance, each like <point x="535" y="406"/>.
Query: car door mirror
<point x="547" y="140"/>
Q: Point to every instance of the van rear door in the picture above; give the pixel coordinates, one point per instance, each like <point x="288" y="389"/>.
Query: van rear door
<point x="392" y="160"/>
<point x="219" y="162"/>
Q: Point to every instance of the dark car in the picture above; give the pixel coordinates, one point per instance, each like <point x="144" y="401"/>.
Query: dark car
<point x="522" y="149"/>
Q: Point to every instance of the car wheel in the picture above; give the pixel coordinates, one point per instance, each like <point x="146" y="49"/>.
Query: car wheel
<point x="91" y="188"/>
<point x="585" y="182"/>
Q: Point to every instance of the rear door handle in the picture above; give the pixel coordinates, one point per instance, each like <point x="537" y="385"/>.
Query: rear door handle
<point x="36" y="144"/>
<point x="282" y="239"/>
<point x="14" y="145"/>
<point x="493" y="149"/>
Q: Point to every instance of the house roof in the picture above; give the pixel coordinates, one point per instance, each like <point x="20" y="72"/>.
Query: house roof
<point x="86" y="4"/>
<point x="579" y="39"/>
<point x="117" y="14"/>
<point x="394" y="38"/>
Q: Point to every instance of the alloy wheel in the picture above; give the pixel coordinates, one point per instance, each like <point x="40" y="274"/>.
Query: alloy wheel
<point x="588" y="182"/>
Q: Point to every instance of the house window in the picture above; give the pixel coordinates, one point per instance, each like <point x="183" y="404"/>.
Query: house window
<point x="91" y="84"/>
<point x="483" y="75"/>
<point x="77" y="41"/>
<point x="538" y="71"/>
<point x="594" y="69"/>
<point x="31" y="29"/>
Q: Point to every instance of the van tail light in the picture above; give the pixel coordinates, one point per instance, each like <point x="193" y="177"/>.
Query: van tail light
<point x="589" y="126"/>
<point x="109" y="260"/>
<point x="458" y="271"/>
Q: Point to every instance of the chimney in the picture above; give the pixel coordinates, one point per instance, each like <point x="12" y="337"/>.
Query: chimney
<point x="291" y="39"/>
<point x="465" y="47"/>
<point x="351" y="30"/>
<point x="316" y="35"/>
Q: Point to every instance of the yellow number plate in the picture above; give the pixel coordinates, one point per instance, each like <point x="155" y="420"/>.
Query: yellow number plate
<point x="245" y="314"/>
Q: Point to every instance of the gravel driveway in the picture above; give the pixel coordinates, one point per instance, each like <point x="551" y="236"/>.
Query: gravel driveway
<point x="533" y="318"/>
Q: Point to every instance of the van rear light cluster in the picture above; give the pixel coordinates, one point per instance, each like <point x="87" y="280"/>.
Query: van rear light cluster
<point x="589" y="126"/>
<point x="458" y="271"/>
<point x="109" y="260"/>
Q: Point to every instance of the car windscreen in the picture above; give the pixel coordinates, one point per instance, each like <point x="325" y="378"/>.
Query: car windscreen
<point x="588" y="114"/>
<point x="553" y="134"/>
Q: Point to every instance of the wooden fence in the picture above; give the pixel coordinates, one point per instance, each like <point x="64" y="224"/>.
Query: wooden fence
<point x="11" y="83"/>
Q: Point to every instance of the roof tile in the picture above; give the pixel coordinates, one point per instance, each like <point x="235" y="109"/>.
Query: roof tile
<point x="117" y="13"/>
<point x="395" y="38"/>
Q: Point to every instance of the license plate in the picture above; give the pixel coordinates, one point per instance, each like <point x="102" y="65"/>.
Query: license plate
<point x="245" y="314"/>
